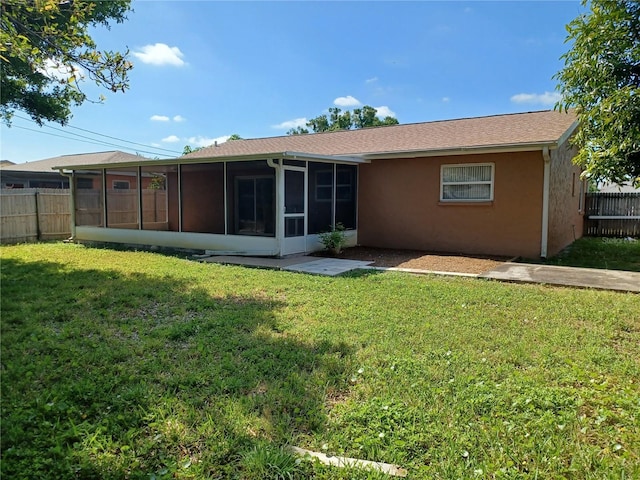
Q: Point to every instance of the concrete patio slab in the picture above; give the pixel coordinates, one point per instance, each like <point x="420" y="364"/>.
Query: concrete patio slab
<point x="303" y="264"/>
<point x="258" y="262"/>
<point x="327" y="266"/>
<point x="569" y="276"/>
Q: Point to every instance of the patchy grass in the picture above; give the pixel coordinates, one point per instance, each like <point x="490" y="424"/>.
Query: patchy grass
<point x="137" y="365"/>
<point x="598" y="252"/>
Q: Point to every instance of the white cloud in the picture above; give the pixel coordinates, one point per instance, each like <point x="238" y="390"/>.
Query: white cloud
<point x="61" y="72"/>
<point x="179" y="118"/>
<point x="171" y="139"/>
<point x="546" y="98"/>
<point x="371" y="80"/>
<point x="160" y="54"/>
<point x="347" y="101"/>
<point x="205" y="141"/>
<point x="446" y="99"/>
<point x="297" y="122"/>
<point x="384" y="111"/>
<point x="159" y="118"/>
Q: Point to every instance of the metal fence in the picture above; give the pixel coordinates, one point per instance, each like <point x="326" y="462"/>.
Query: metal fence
<point x="32" y="214"/>
<point x="612" y="215"/>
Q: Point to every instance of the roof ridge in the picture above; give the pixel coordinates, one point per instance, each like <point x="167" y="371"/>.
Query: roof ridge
<point x="343" y="131"/>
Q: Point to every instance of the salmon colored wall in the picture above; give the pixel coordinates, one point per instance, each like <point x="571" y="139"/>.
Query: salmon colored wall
<point x="399" y="207"/>
<point x="565" y="218"/>
<point x="203" y="198"/>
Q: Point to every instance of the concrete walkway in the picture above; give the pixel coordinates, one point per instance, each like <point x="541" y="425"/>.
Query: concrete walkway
<point x="568" y="276"/>
<point x="508" y="272"/>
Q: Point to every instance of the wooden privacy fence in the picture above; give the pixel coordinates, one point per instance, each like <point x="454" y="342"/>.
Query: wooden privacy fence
<point x="612" y="215"/>
<point x="32" y="214"/>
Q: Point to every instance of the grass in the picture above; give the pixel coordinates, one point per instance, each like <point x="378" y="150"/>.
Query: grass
<point x="598" y="252"/>
<point x="134" y="365"/>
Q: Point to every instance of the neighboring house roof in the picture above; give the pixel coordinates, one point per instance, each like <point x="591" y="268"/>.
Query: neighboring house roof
<point x="513" y="130"/>
<point x="615" y="188"/>
<point x="67" y="161"/>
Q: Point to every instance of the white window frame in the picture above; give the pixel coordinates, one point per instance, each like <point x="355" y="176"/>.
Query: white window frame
<point x="121" y="182"/>
<point x="483" y="182"/>
<point x="324" y="186"/>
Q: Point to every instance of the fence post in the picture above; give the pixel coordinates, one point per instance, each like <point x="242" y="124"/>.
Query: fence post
<point x="38" y="231"/>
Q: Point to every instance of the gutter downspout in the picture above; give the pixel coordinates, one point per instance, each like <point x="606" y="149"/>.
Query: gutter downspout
<point x="545" y="201"/>
<point x="72" y="204"/>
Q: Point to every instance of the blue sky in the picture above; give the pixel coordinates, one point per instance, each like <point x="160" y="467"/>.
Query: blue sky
<point x="204" y="70"/>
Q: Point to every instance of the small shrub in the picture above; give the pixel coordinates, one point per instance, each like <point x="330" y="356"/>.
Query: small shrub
<point x="334" y="240"/>
<point x="269" y="462"/>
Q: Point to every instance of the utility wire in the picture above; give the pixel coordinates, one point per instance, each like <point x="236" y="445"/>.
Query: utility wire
<point x="94" y="143"/>
<point x="99" y="134"/>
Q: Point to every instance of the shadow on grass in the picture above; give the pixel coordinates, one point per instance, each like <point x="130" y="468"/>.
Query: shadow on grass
<point x="107" y="375"/>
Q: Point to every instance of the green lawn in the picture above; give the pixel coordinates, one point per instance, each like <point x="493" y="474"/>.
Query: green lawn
<point x="599" y="252"/>
<point x="120" y="364"/>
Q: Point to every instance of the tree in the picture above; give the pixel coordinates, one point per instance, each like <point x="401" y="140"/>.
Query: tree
<point x="338" y="120"/>
<point x="189" y="149"/>
<point x="601" y="80"/>
<point x="45" y="49"/>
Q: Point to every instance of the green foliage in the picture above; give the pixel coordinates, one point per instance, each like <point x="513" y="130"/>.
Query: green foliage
<point x="601" y="80"/>
<point x="122" y="364"/>
<point x="267" y="462"/>
<point x="37" y="37"/>
<point x="334" y="240"/>
<point x="189" y="149"/>
<point x="339" y="120"/>
<point x="595" y="252"/>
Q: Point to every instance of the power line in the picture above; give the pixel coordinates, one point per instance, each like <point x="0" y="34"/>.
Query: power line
<point x="101" y="135"/>
<point x="94" y="143"/>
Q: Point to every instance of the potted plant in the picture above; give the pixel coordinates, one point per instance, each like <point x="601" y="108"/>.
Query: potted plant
<point x="334" y="240"/>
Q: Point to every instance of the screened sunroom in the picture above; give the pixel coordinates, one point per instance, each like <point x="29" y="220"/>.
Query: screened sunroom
<point x="241" y="206"/>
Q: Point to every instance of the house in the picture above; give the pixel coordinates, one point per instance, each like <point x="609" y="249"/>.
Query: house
<point x="40" y="173"/>
<point x="499" y="185"/>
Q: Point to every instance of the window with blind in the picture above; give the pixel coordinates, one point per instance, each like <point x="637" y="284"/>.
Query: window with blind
<point x="466" y="182"/>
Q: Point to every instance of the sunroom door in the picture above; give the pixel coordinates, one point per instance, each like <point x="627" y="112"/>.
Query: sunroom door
<point x="295" y="206"/>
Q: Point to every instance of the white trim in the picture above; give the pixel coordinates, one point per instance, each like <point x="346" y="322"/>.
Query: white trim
<point x="113" y="184"/>
<point x="490" y="182"/>
<point x="247" y="244"/>
<point x="452" y="151"/>
<point x="545" y="202"/>
<point x="347" y="159"/>
<point x="293" y="245"/>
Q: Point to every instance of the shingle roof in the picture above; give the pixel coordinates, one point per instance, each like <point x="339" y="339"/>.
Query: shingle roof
<point x="97" y="158"/>
<point x="542" y="127"/>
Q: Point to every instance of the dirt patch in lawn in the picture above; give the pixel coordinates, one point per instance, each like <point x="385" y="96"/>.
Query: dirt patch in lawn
<point x="421" y="260"/>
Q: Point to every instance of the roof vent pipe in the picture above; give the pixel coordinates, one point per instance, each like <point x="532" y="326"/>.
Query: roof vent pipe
<point x="215" y="143"/>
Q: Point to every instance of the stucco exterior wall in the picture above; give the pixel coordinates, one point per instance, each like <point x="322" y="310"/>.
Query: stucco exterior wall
<point x="565" y="218"/>
<point x="399" y="207"/>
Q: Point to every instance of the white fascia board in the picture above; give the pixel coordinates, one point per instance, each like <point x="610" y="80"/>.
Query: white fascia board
<point x="566" y="135"/>
<point x="442" y="152"/>
<point x="325" y="158"/>
<point x="227" y="158"/>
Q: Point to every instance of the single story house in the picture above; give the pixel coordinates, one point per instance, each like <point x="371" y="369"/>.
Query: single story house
<point x="497" y="185"/>
<point x="40" y="174"/>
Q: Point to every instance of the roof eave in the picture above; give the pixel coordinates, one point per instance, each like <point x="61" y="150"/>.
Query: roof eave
<point x="481" y="149"/>
<point x="226" y="158"/>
